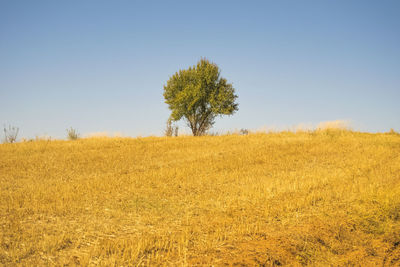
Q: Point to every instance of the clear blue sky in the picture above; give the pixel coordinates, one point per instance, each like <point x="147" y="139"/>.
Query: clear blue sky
<point x="101" y="65"/>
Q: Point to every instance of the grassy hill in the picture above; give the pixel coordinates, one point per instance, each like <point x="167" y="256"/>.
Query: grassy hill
<point x="310" y="198"/>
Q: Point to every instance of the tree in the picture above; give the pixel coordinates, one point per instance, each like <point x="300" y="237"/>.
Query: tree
<point x="199" y="94"/>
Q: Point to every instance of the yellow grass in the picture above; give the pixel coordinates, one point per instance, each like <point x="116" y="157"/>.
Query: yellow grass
<point x="326" y="197"/>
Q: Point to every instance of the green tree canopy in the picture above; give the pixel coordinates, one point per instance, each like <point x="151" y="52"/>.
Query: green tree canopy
<point x="199" y="95"/>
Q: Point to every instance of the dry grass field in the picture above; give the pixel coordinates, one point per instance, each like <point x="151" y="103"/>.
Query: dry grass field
<point x="324" y="197"/>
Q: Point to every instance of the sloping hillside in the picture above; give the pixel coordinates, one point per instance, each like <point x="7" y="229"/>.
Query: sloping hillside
<point x="323" y="197"/>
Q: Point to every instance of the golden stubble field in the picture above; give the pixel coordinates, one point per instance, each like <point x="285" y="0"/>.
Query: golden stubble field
<point x="309" y="198"/>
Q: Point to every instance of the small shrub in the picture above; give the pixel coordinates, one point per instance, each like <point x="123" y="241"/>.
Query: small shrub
<point x="10" y="134"/>
<point x="168" y="129"/>
<point x="176" y="131"/>
<point x="338" y="125"/>
<point x="171" y="130"/>
<point x="72" y="134"/>
<point x="244" y="132"/>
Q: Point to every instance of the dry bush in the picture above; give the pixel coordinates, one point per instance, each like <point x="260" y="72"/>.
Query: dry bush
<point x="10" y="134"/>
<point x="392" y="131"/>
<point x="244" y="132"/>
<point x="171" y="130"/>
<point x="72" y="134"/>
<point x="334" y="125"/>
